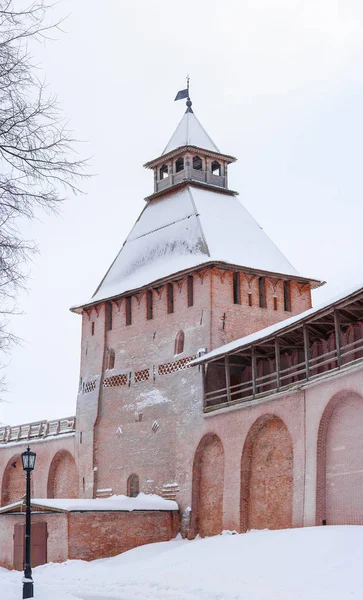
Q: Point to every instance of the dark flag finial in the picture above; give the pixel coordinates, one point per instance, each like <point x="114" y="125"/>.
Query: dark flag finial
<point x="185" y="94"/>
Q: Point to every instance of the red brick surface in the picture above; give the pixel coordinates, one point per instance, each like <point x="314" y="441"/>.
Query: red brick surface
<point x="13" y="480"/>
<point x="99" y="535"/>
<point x="57" y="542"/>
<point x="272" y="463"/>
<point x="267" y="476"/>
<point x="91" y="535"/>
<point x="208" y="483"/>
<point x="63" y="476"/>
<point x="340" y="459"/>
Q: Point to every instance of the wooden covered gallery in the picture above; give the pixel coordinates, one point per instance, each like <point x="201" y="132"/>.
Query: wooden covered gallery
<point x="317" y="343"/>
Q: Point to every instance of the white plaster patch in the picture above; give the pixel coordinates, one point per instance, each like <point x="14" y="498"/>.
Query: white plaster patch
<point x="147" y="399"/>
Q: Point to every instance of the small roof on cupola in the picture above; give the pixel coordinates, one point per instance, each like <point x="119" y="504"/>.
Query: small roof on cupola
<point x="190" y="132"/>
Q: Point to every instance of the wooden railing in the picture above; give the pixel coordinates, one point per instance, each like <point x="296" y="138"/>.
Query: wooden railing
<point x="284" y="379"/>
<point x="190" y="173"/>
<point x="36" y="430"/>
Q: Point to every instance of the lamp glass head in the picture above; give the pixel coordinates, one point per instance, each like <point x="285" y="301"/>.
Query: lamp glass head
<point x="28" y="460"/>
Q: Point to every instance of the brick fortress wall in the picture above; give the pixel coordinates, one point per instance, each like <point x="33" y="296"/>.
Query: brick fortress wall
<point x="147" y="411"/>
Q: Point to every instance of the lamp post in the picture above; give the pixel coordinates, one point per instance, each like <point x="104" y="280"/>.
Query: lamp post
<point x="28" y="460"/>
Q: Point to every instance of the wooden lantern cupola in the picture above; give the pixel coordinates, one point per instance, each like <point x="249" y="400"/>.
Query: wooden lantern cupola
<point x="190" y="157"/>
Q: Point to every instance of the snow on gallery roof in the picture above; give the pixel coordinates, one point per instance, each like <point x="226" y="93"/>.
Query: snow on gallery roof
<point x="280" y="327"/>
<point x="114" y="503"/>
<point x="186" y="229"/>
<point x="190" y="132"/>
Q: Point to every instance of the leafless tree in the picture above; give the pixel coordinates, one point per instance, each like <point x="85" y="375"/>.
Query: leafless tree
<point x="38" y="164"/>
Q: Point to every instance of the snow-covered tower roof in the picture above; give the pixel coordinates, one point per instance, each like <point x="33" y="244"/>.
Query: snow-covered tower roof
<point x="190" y="132"/>
<point x="191" y="219"/>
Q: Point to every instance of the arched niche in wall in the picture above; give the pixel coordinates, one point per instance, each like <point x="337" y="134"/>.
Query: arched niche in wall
<point x="207" y="490"/>
<point x="14" y="481"/>
<point x="133" y="485"/>
<point x="63" y="476"/>
<point x="267" y="476"/>
<point x="339" y="489"/>
<point x="179" y="342"/>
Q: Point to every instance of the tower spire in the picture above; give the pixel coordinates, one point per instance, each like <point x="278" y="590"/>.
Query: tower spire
<point x="185" y="94"/>
<point x="189" y="102"/>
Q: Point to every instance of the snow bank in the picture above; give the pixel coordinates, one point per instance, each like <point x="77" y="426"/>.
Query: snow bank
<point x="321" y="563"/>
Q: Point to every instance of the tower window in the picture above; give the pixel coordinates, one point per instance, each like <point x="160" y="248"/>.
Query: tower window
<point x="216" y="168"/>
<point x="275" y="303"/>
<point x="128" y="311"/>
<point x="170" y="298"/>
<point x="108" y="316"/>
<point x="93" y="328"/>
<point x="262" y="292"/>
<point x="133" y="486"/>
<point x="236" y="288"/>
<point x="149" y="305"/>
<point x="287" y="296"/>
<point x="163" y="172"/>
<point x="190" y="284"/>
<point x="179" y="343"/>
<point x="197" y="163"/>
<point x="249" y="298"/>
<point x="111" y="359"/>
<point x="179" y="165"/>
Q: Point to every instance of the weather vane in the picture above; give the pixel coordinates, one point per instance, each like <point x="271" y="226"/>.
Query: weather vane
<point x="185" y="94"/>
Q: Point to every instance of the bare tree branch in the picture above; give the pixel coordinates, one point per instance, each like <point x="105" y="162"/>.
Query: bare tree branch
<point x="37" y="155"/>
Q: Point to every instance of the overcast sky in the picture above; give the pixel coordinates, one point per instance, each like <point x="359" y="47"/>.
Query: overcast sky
<point x="277" y="83"/>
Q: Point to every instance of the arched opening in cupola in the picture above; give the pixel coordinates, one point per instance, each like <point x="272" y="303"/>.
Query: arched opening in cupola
<point x="163" y="172"/>
<point x="197" y="163"/>
<point x="216" y="168"/>
<point x="179" y="165"/>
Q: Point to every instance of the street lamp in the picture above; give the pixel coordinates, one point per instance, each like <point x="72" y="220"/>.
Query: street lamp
<point x="28" y="460"/>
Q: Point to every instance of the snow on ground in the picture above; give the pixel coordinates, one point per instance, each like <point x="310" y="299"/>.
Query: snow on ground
<point x="320" y="563"/>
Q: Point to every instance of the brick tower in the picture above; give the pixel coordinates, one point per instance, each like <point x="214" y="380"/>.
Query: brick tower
<point x="195" y="272"/>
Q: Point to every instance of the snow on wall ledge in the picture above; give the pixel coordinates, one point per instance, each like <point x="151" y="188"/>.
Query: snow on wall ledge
<point x="114" y="503"/>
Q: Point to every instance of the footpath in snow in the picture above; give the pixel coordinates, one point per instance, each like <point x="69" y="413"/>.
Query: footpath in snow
<point x="320" y="563"/>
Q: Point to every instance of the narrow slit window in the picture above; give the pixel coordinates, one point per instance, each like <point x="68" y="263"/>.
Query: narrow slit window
<point x="236" y="288"/>
<point x="179" y="165"/>
<point x="262" y="291"/>
<point x="111" y="359"/>
<point x="249" y="298"/>
<point x="179" y="343"/>
<point x="190" y="290"/>
<point x="170" y="298"/>
<point x="275" y="303"/>
<point x="93" y="328"/>
<point x="108" y="316"/>
<point x="197" y="163"/>
<point x="133" y="486"/>
<point x="128" y="311"/>
<point x="149" y="305"/>
<point x="287" y="296"/>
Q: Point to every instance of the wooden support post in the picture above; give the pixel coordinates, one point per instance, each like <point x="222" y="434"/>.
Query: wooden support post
<point x="338" y="337"/>
<point x="254" y="370"/>
<point x="203" y="384"/>
<point x="306" y="350"/>
<point x="228" y="377"/>
<point x="277" y="359"/>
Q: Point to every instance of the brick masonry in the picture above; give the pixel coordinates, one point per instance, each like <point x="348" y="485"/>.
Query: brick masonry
<point x="91" y="535"/>
<point x="272" y="463"/>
